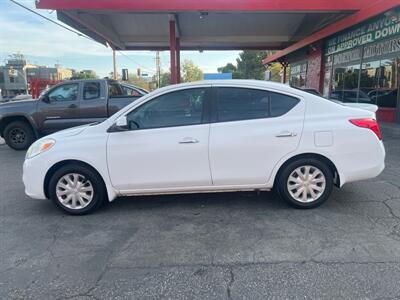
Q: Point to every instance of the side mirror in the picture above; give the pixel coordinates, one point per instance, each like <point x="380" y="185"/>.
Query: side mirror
<point x="121" y="124"/>
<point x="45" y="99"/>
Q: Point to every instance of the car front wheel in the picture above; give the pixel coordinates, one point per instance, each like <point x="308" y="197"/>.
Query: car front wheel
<point x="305" y="183"/>
<point x="77" y="189"/>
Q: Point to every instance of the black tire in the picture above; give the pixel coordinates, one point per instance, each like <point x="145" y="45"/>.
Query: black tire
<point x="282" y="182"/>
<point x="19" y="135"/>
<point x="99" y="189"/>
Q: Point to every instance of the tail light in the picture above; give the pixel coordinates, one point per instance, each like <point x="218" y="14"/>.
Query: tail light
<point x="370" y="124"/>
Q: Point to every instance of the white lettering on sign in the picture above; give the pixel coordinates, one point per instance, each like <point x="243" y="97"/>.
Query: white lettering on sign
<point x="367" y="33"/>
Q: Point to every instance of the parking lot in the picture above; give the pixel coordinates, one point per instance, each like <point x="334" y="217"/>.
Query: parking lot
<point x="218" y="246"/>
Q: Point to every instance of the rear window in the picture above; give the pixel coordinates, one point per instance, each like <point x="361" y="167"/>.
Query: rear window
<point x="115" y="90"/>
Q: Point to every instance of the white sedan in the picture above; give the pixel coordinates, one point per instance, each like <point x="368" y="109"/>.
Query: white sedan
<point x="206" y="137"/>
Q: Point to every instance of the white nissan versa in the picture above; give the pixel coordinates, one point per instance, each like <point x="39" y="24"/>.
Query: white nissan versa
<point x="205" y="137"/>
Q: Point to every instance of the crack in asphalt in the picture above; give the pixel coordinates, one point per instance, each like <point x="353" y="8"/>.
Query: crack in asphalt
<point x="230" y="284"/>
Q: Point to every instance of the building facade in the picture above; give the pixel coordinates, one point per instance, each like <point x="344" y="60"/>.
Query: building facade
<point x="358" y="64"/>
<point x="13" y="78"/>
<point x="16" y="76"/>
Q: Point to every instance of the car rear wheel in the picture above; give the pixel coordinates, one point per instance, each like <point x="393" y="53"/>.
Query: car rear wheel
<point x="77" y="189"/>
<point x="19" y="135"/>
<point x="305" y="183"/>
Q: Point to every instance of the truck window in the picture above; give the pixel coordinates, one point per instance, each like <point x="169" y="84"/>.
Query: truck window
<point x="91" y="90"/>
<point x="115" y="90"/>
<point x="65" y="92"/>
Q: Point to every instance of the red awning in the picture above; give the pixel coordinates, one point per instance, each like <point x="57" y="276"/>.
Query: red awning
<point x="366" y="13"/>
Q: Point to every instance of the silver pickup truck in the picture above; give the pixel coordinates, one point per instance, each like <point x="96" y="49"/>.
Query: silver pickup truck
<point x="67" y="104"/>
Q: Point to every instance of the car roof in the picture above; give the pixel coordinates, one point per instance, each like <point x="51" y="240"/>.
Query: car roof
<point x="239" y="83"/>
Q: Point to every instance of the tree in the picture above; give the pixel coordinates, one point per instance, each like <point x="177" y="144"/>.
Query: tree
<point x="191" y="72"/>
<point x="85" y="74"/>
<point x="248" y="65"/>
<point x="138" y="81"/>
<point x="165" y="79"/>
<point x="229" y="68"/>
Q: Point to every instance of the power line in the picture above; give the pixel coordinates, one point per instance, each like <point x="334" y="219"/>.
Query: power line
<point x="131" y="59"/>
<point x="76" y="32"/>
<point x="50" y="20"/>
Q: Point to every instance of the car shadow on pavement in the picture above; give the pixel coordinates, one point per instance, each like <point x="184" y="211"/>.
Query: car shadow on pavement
<point x="243" y="200"/>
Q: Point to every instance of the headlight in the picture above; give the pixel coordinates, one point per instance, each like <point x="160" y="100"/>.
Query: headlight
<point x="39" y="147"/>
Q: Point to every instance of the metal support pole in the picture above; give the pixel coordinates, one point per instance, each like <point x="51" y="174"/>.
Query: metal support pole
<point x="178" y="60"/>
<point x="114" y="66"/>
<point x="172" y="51"/>
<point x="284" y="73"/>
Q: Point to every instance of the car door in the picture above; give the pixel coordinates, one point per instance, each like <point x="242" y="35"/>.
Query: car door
<point x="166" y="148"/>
<point x="59" y="108"/>
<point x="93" y="104"/>
<point x="252" y="130"/>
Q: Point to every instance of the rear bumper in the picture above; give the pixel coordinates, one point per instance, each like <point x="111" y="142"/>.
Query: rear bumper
<point x="363" y="168"/>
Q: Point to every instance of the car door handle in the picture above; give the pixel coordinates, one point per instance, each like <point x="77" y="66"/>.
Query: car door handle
<point x="73" y="106"/>
<point x="286" y="134"/>
<point x="188" y="141"/>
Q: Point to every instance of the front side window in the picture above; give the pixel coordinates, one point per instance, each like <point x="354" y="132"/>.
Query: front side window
<point x="235" y="104"/>
<point x="178" y="108"/>
<point x="65" y="92"/>
<point x="91" y="90"/>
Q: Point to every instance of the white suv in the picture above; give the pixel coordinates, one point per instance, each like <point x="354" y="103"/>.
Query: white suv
<point x="205" y="137"/>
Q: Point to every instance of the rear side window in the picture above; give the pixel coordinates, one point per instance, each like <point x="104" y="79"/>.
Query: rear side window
<point x="91" y="90"/>
<point x="281" y="104"/>
<point x="235" y="104"/>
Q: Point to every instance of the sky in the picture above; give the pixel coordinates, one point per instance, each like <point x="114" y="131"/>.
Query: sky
<point x="44" y="43"/>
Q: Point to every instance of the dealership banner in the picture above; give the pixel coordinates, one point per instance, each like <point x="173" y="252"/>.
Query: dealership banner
<point x="385" y="26"/>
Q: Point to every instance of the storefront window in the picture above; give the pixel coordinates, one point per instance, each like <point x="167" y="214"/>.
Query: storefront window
<point x="345" y="85"/>
<point x="362" y="65"/>
<point x="384" y="91"/>
<point x="298" y="75"/>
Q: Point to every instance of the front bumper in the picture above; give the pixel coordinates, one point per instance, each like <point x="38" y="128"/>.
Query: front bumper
<point x="33" y="177"/>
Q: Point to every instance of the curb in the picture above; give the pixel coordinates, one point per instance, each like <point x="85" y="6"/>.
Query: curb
<point x="2" y="142"/>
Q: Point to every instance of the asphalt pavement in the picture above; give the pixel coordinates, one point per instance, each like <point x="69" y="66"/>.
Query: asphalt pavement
<point x="204" y="246"/>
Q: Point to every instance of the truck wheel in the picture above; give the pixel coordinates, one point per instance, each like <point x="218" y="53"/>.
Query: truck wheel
<point x="19" y="135"/>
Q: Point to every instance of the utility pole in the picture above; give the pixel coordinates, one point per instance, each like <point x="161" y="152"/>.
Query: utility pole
<point x="158" y="68"/>
<point x="114" y="66"/>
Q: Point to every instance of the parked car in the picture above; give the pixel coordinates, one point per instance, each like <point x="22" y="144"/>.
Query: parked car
<point x="371" y="107"/>
<point x="68" y="104"/>
<point x="350" y="96"/>
<point x="206" y="137"/>
<point x="384" y="98"/>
